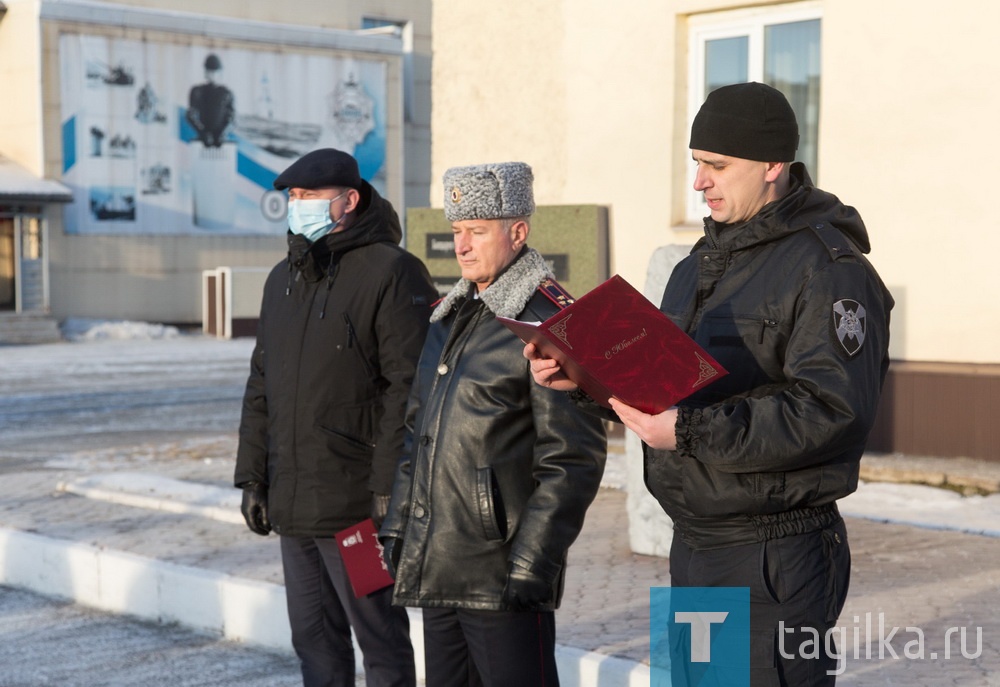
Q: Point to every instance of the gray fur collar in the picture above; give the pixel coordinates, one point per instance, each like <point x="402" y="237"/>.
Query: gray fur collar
<point x="508" y="295"/>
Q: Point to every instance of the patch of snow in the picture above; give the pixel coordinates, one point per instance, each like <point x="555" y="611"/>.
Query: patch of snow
<point x="924" y="506"/>
<point x="84" y="329"/>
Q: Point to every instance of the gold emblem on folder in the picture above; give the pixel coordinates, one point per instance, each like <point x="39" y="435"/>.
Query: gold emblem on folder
<point x="559" y="330"/>
<point x="705" y="371"/>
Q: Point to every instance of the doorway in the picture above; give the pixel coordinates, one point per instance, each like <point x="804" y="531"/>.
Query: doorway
<point x="8" y="262"/>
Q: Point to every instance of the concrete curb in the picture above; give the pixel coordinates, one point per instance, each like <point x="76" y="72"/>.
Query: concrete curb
<point x="120" y="582"/>
<point x="236" y="609"/>
<point x="154" y="492"/>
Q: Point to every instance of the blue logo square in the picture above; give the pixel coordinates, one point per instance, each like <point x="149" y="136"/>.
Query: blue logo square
<point x="699" y="636"/>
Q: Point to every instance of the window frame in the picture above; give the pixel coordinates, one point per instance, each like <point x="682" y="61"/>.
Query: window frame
<point x="750" y="23"/>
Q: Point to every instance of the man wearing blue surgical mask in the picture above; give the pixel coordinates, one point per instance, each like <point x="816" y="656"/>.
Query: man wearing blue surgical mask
<point x="342" y="322"/>
<point x="311" y="210"/>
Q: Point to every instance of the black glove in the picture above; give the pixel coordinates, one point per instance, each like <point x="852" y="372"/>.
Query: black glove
<point x="391" y="548"/>
<point x="525" y="591"/>
<point x="380" y="509"/>
<point x="254" y="508"/>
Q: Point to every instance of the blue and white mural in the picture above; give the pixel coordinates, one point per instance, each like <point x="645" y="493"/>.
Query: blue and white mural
<point x="162" y="138"/>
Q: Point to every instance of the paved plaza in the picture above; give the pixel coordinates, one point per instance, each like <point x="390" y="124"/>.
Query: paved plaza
<point x="116" y="460"/>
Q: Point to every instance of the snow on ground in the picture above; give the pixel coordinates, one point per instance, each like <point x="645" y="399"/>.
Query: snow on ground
<point x="906" y="504"/>
<point x="912" y="504"/>
<point x="924" y="506"/>
<point x="83" y="329"/>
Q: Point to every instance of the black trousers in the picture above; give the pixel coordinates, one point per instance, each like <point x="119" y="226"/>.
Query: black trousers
<point x="471" y="648"/>
<point x="322" y="609"/>
<point x="798" y="586"/>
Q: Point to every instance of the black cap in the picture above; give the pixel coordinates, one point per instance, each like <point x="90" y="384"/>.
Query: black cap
<point x="748" y="120"/>
<point x="213" y="63"/>
<point x="321" y="168"/>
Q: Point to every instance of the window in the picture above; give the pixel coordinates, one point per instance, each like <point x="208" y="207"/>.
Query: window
<point x="8" y="265"/>
<point x="779" y="46"/>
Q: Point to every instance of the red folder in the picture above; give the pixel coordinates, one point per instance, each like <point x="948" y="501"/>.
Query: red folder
<point x="362" y="554"/>
<point x="614" y="342"/>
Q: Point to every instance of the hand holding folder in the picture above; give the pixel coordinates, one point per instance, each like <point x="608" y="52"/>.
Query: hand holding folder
<point x="612" y="342"/>
<point x="362" y="554"/>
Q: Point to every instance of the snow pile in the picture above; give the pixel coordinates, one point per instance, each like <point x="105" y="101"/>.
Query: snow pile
<point x="924" y="506"/>
<point x="83" y="329"/>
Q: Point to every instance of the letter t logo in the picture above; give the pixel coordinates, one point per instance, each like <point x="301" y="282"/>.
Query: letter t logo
<point x="701" y="631"/>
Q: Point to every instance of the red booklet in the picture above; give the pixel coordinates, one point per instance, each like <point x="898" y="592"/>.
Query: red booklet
<point x="362" y="554"/>
<point x="614" y="342"/>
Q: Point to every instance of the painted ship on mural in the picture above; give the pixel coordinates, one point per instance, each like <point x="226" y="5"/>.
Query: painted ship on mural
<point x="112" y="205"/>
<point x="285" y="139"/>
<point x="109" y="75"/>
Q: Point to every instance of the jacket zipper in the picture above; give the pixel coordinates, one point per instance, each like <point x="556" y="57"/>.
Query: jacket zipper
<point x="764" y="324"/>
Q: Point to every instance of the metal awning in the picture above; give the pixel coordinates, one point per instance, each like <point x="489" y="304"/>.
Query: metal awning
<point x="19" y="185"/>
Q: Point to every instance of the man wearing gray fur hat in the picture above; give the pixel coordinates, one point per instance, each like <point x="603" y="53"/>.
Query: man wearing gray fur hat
<point x="497" y="472"/>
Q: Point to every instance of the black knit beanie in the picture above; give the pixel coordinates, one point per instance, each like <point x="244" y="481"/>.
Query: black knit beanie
<point x="748" y="120"/>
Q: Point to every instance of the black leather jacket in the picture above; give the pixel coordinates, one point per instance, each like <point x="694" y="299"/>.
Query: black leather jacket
<point x="496" y="468"/>
<point x="341" y="326"/>
<point x="767" y="450"/>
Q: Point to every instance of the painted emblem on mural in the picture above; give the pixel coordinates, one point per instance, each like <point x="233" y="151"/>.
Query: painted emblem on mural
<point x="352" y="112"/>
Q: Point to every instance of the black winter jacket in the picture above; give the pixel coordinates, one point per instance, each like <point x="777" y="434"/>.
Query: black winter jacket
<point x="341" y="325"/>
<point x="767" y="450"/>
<point x="496" y="469"/>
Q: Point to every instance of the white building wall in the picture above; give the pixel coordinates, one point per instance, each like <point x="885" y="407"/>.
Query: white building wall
<point x="908" y="135"/>
<point x="594" y="98"/>
<point x="20" y="74"/>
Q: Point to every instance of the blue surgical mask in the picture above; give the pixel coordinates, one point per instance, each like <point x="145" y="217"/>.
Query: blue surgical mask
<point x="310" y="218"/>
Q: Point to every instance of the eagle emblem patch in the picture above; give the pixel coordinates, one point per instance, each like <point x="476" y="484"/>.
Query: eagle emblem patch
<point x="850" y="324"/>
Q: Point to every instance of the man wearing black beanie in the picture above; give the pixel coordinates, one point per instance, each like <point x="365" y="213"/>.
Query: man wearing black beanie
<point x="750" y="467"/>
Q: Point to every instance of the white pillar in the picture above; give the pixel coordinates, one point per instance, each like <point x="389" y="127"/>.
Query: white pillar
<point x="650" y="530"/>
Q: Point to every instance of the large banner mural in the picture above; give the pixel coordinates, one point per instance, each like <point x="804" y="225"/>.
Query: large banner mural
<point x="160" y="138"/>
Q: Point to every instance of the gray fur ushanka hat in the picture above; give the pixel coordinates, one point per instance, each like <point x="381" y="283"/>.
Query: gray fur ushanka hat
<point x="492" y="191"/>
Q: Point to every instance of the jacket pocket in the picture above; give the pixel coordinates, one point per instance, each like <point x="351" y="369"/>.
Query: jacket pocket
<point x="353" y="344"/>
<point x="492" y="515"/>
<point x="749" y="347"/>
<point x="346" y="446"/>
<point x="769" y="570"/>
<point x="838" y="556"/>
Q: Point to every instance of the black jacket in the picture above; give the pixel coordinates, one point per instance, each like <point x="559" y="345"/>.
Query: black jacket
<point x="496" y="469"/>
<point x="767" y="450"/>
<point x="341" y="325"/>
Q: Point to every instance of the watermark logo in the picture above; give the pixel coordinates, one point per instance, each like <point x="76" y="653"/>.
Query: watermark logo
<point x="870" y="637"/>
<point x="699" y="636"/>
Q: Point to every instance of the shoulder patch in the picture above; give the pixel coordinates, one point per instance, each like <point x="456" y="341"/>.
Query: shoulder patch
<point x="554" y="291"/>
<point x="850" y="325"/>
